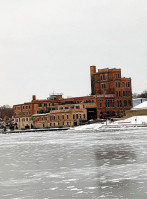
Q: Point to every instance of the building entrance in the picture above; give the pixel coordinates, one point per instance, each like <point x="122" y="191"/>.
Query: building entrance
<point x="91" y="113"/>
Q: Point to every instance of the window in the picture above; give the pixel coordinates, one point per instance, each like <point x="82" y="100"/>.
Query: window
<point x="129" y="103"/>
<point x="117" y="103"/>
<point x="84" y="116"/>
<point x="76" y="116"/>
<point x="125" y="103"/>
<point x="106" y="103"/>
<point x="113" y="103"/>
<point x="39" y="105"/>
<point x="67" y="117"/>
<point x="73" y="116"/>
<point x="103" y="86"/>
<point x="26" y="119"/>
<point x="72" y="107"/>
<point x="61" y="108"/>
<point x="77" y="107"/>
<point x="66" y="107"/>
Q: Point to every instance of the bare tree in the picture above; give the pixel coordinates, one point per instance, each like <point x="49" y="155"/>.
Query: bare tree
<point x="6" y="112"/>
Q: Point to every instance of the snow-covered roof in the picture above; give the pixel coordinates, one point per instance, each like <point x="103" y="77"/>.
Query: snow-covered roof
<point x="43" y="114"/>
<point x="143" y="105"/>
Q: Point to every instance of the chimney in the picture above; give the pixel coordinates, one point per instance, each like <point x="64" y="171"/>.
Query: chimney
<point x="92" y="70"/>
<point x="33" y="97"/>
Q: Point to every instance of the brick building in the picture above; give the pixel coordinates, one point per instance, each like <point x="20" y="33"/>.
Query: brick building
<point x="111" y="96"/>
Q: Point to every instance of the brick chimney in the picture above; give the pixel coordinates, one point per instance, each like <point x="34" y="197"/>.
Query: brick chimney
<point x="33" y="97"/>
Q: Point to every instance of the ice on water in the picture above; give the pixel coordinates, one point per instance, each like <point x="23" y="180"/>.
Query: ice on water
<point x="83" y="163"/>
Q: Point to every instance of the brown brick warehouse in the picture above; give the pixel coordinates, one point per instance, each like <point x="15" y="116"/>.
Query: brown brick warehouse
<point x="111" y="96"/>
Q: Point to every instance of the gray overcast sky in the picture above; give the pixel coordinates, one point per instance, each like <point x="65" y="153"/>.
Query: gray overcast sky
<point x="48" y="45"/>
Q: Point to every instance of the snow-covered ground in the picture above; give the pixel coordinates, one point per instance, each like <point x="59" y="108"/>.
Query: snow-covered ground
<point x="136" y="120"/>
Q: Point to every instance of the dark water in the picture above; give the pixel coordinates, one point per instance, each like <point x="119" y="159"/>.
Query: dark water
<point x="74" y="164"/>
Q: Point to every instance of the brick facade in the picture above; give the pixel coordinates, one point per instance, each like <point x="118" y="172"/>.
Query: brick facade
<point x="111" y="96"/>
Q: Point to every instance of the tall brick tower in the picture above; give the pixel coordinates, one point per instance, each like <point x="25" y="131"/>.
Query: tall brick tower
<point x="92" y="72"/>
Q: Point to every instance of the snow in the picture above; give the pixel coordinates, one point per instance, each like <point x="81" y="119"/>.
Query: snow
<point x="143" y="105"/>
<point x="88" y="127"/>
<point x="135" y="120"/>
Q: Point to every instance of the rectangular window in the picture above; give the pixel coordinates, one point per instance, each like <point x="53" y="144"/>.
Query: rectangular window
<point x="129" y="103"/>
<point x="73" y="116"/>
<point x="76" y="116"/>
<point x="77" y="107"/>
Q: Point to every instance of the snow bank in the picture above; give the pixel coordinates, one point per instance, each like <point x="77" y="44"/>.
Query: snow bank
<point x="132" y="120"/>
<point x="143" y="105"/>
<point x="89" y="126"/>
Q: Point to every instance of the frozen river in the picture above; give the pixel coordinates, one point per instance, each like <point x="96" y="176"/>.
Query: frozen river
<point x="74" y="164"/>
